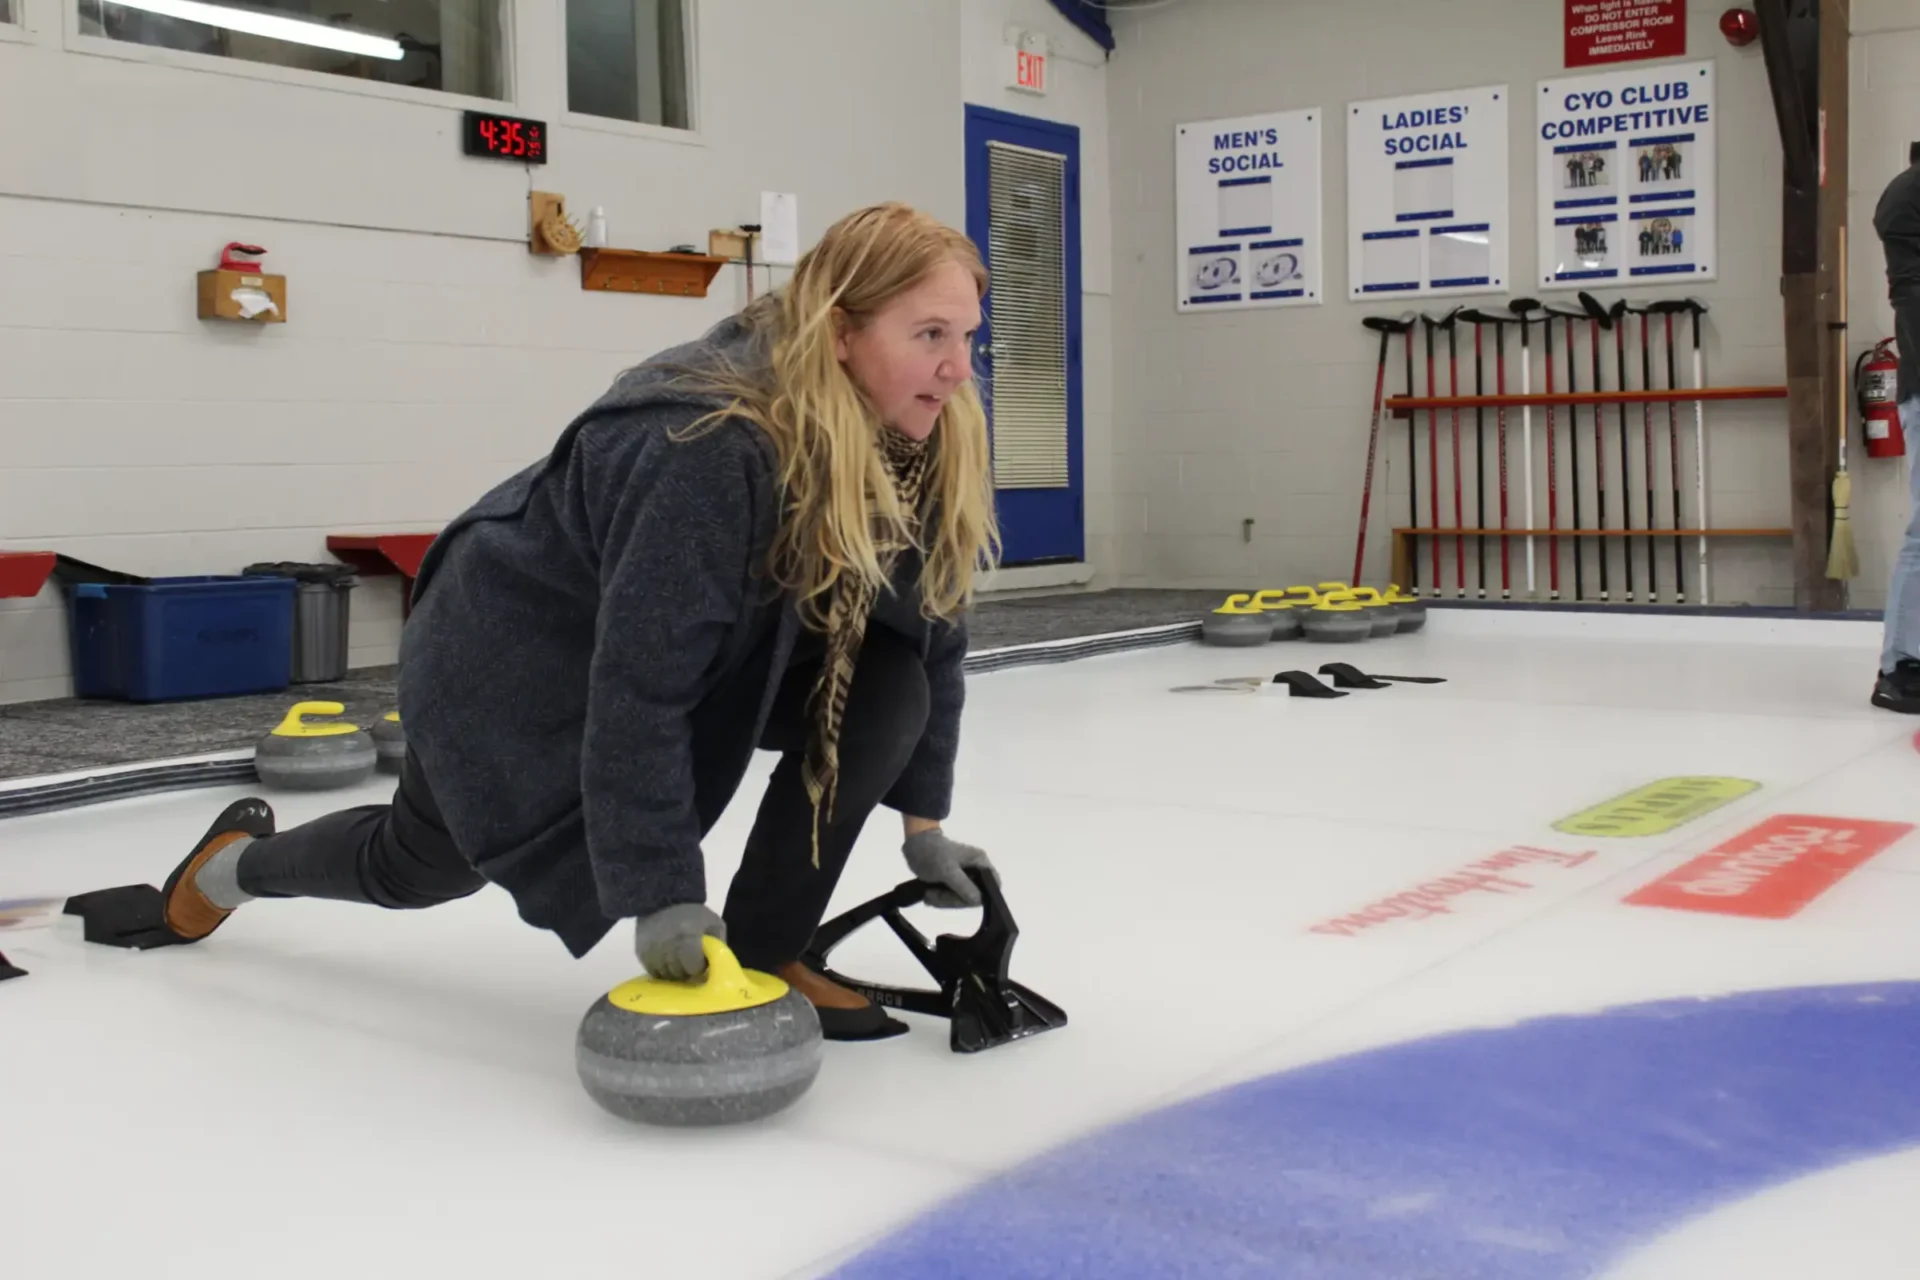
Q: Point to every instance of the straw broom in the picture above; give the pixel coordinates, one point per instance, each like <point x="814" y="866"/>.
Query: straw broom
<point x="1843" y="558"/>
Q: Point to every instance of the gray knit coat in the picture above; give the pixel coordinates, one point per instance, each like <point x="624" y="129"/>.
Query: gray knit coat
<point x="565" y="627"/>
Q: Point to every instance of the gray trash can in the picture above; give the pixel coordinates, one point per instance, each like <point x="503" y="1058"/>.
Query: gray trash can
<point x="322" y="607"/>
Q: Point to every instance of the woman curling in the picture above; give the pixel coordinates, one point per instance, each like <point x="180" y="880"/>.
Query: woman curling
<point x="764" y="539"/>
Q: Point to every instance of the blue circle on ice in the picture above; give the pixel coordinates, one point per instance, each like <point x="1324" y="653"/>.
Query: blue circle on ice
<point x="1550" y="1148"/>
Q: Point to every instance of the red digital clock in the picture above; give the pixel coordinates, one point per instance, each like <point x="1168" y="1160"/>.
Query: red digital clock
<point x="505" y="137"/>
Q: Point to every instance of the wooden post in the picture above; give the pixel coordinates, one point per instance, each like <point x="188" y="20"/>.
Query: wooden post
<point x="1835" y="93"/>
<point x="1806" y="80"/>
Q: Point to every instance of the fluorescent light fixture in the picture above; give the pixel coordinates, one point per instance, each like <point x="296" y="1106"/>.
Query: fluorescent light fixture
<point x="272" y="26"/>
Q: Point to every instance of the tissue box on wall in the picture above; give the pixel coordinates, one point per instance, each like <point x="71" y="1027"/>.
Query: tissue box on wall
<point x="243" y="295"/>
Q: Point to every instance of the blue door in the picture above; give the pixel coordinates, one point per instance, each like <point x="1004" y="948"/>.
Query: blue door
<point x="1023" y="210"/>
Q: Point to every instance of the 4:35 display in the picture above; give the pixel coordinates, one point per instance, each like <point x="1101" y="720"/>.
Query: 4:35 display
<point x="505" y="137"/>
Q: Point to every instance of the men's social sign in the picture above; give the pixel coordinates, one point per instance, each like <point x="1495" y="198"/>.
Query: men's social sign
<point x="1247" y="211"/>
<point x="1627" y="176"/>
<point x="1427" y="194"/>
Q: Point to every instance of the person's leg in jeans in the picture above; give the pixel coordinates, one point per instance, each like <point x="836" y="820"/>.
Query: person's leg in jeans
<point x="779" y="896"/>
<point x="398" y="856"/>
<point x="1898" y="688"/>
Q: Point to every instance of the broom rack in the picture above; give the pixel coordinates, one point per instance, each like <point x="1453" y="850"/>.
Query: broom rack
<point x="1405" y="538"/>
<point x="1407" y="406"/>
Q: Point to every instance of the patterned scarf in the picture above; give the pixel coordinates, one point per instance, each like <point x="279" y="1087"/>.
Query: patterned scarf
<point x="851" y="601"/>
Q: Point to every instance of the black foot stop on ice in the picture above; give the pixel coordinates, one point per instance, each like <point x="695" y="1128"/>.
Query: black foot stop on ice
<point x="131" y="916"/>
<point x="1302" y="685"/>
<point x="1351" y="677"/>
<point x="986" y="1007"/>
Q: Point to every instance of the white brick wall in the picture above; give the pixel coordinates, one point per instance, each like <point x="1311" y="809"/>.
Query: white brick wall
<point x="428" y="354"/>
<point x="1200" y="391"/>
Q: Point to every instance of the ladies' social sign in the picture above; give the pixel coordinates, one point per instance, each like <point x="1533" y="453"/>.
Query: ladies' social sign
<point x="1247" y="211"/>
<point x="1627" y="176"/>
<point x="1427" y="194"/>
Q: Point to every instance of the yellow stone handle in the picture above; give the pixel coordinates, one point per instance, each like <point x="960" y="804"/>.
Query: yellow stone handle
<point x="295" y="726"/>
<point x="723" y="967"/>
<point x="1342" y="601"/>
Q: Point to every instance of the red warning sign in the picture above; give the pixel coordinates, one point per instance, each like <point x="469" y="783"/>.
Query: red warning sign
<point x="1624" y="30"/>
<point x="1774" y="870"/>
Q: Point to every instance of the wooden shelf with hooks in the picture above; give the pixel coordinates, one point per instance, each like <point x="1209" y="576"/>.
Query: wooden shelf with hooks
<point x="679" y="275"/>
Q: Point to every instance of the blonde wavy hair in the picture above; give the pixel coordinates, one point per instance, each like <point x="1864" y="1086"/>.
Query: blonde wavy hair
<point x="840" y="503"/>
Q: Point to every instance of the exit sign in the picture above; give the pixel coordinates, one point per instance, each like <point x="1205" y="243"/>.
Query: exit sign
<point x="1026" y="70"/>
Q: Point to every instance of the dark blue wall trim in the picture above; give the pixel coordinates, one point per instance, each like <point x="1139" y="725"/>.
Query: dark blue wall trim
<point x="1090" y="18"/>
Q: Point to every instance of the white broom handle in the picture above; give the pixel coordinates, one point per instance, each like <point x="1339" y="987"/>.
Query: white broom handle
<point x="1700" y="464"/>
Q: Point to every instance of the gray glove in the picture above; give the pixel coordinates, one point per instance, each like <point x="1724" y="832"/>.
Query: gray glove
<point x="943" y="864"/>
<point x="668" y="941"/>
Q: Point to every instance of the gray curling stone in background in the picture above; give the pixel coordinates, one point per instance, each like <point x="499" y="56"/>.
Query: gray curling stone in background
<point x="297" y="756"/>
<point x="1382" y="614"/>
<point x="1412" y="610"/>
<point x="1282" y="612"/>
<point x="1338" y="619"/>
<point x="389" y="742"/>
<point x="729" y="1047"/>
<point x="1237" y="624"/>
<point x="1286" y="622"/>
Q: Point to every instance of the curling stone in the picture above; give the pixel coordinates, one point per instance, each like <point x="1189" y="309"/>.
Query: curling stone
<point x="1384" y="614"/>
<point x="390" y="742"/>
<point x="731" y="1046"/>
<point x="298" y="756"/>
<point x="1412" y="609"/>
<point x="1281" y="612"/>
<point x="1237" y="624"/>
<point x="1339" y="618"/>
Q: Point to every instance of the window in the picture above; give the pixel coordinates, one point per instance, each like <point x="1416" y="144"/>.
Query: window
<point x="457" y="46"/>
<point x="1026" y="229"/>
<point x="627" y="60"/>
<point x="6" y="12"/>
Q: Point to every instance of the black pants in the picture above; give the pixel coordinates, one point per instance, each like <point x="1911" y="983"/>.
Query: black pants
<point x="400" y="855"/>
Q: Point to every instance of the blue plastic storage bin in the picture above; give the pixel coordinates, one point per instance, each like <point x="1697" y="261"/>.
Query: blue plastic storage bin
<point x="182" y="638"/>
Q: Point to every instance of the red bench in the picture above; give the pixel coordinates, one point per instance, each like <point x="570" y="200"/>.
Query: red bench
<point x="378" y="554"/>
<point x="23" y="573"/>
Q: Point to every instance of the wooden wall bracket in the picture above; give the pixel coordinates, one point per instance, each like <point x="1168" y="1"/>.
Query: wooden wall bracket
<point x="549" y="230"/>
<point x="680" y="275"/>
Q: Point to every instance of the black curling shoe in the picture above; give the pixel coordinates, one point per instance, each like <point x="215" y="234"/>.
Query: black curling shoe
<point x="1899" y="689"/>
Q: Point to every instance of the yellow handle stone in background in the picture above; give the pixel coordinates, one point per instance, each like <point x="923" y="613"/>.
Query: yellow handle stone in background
<point x="294" y="726"/>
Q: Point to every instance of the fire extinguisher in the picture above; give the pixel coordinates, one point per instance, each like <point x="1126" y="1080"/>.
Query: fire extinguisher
<point x="1876" y="375"/>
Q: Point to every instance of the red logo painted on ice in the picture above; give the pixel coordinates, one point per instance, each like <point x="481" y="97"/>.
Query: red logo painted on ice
<point x="1433" y="898"/>
<point x="1773" y="870"/>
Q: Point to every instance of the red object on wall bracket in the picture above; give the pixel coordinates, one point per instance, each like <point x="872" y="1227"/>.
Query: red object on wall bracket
<point x="230" y="263"/>
<point x="1740" y="27"/>
<point x="23" y="573"/>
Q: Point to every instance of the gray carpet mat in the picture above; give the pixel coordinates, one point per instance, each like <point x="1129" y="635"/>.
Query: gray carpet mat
<point x="39" y="738"/>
